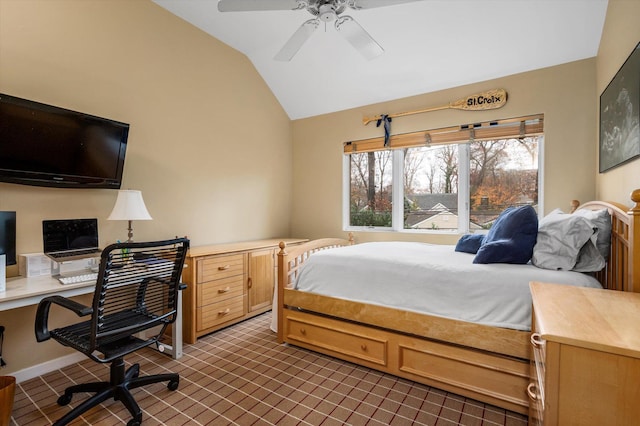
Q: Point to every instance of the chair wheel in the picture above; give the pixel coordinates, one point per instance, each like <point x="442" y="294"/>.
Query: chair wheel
<point x="64" y="399"/>
<point x="173" y="385"/>
<point x="133" y="422"/>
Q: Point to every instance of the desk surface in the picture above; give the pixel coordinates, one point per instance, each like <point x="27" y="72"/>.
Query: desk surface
<point x="23" y="291"/>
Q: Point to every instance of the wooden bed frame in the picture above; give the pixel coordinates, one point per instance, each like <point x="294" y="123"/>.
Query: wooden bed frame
<point x="485" y="363"/>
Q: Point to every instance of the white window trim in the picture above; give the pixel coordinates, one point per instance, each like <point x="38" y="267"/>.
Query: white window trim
<point x="397" y="192"/>
<point x="397" y="214"/>
<point x="541" y="177"/>
<point x="464" y="169"/>
<point x="346" y="193"/>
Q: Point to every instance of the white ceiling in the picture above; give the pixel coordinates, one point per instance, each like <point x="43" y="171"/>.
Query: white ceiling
<point x="429" y="45"/>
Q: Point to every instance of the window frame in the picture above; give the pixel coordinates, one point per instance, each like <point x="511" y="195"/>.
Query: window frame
<point x="397" y="212"/>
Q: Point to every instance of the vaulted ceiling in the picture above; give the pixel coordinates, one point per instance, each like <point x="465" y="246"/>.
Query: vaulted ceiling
<point x="429" y="45"/>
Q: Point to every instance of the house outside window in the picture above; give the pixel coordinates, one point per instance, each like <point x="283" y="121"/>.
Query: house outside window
<point x="442" y="187"/>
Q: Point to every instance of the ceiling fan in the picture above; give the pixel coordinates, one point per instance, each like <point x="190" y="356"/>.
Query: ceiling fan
<point x="323" y="11"/>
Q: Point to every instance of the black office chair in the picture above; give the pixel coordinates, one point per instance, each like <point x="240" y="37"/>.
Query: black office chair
<point x="137" y="290"/>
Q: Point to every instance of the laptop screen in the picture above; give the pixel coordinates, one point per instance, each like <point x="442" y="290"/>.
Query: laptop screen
<point x="69" y="234"/>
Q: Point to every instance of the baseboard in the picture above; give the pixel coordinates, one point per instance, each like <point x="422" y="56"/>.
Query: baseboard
<point x="47" y="367"/>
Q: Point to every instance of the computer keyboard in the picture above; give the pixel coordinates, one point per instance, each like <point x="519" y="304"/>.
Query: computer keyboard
<point x="74" y="279"/>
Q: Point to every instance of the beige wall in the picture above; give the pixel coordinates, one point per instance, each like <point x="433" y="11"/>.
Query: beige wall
<point x="620" y="36"/>
<point x="210" y="146"/>
<point x="209" y="143"/>
<point x="563" y="93"/>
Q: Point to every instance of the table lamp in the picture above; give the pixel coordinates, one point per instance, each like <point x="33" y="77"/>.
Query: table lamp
<point x="129" y="206"/>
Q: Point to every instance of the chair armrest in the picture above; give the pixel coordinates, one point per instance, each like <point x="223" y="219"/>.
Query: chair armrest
<point x="42" y="314"/>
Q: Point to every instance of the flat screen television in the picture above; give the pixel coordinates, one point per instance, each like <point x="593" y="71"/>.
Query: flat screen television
<point x="44" y="145"/>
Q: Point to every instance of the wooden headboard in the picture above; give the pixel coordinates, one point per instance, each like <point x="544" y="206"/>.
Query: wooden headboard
<point x="622" y="271"/>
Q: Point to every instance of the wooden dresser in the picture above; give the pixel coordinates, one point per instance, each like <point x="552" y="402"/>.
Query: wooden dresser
<point x="586" y="364"/>
<point x="228" y="283"/>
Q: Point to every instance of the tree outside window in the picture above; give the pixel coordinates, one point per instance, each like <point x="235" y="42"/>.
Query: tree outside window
<point x="500" y="173"/>
<point x="371" y="188"/>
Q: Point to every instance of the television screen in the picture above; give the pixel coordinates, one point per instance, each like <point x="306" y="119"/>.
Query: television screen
<point x="44" y="145"/>
<point x="8" y="236"/>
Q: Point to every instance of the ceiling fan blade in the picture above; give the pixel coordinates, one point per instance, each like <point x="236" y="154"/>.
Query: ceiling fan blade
<point x="358" y="37"/>
<point x="259" y="5"/>
<point x="296" y="41"/>
<point x="370" y="4"/>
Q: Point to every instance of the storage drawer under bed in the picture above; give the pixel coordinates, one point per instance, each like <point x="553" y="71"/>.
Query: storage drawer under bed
<point x="492" y="378"/>
<point x="351" y="343"/>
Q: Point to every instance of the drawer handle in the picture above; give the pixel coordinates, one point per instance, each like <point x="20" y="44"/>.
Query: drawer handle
<point x="225" y="312"/>
<point x="363" y="347"/>
<point x="224" y="290"/>
<point x="531" y="391"/>
<point x="303" y="331"/>
<point x="536" y="340"/>
<point x="224" y="268"/>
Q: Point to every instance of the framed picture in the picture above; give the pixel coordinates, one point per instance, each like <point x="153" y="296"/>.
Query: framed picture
<point x="620" y="115"/>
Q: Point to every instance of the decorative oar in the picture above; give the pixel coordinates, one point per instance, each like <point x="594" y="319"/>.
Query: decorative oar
<point x="490" y="99"/>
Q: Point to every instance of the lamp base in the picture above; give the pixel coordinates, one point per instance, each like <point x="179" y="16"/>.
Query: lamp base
<point x="130" y="234"/>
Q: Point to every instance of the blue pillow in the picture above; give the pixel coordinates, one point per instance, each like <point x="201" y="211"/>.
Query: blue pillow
<point x="511" y="238"/>
<point x="470" y="243"/>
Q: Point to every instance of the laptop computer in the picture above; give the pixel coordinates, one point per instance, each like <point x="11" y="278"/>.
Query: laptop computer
<point x="70" y="239"/>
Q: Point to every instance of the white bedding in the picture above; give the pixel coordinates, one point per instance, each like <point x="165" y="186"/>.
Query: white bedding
<point x="431" y="279"/>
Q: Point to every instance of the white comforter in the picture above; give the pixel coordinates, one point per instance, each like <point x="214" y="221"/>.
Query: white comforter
<point x="431" y="279"/>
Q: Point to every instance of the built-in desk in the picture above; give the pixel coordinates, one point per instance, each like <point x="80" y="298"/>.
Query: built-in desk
<point x="29" y="291"/>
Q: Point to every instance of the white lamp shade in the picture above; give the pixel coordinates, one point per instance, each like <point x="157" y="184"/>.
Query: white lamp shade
<point x="129" y="206"/>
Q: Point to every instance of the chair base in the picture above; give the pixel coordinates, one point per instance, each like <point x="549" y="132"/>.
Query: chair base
<point x="118" y="388"/>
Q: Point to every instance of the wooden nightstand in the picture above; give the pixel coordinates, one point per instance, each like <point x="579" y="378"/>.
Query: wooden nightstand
<point x="586" y="364"/>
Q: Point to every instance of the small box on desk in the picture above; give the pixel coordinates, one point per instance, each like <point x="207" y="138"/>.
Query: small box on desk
<point x="74" y="267"/>
<point x="34" y="265"/>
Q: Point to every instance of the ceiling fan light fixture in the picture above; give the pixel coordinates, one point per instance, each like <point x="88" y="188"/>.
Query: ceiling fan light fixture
<point x="327" y="13"/>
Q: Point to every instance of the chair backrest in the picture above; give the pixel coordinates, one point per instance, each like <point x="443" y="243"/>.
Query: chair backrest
<point x="137" y="289"/>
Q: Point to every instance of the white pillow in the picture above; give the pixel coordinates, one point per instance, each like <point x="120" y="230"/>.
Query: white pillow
<point x="600" y="219"/>
<point x="560" y="242"/>
<point x="589" y="258"/>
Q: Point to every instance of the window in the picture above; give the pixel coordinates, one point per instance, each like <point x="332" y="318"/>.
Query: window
<point x="454" y="186"/>
<point x="371" y="185"/>
<point x="431" y="187"/>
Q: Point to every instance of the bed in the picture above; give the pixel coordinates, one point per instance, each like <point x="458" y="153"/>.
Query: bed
<point x="486" y="361"/>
